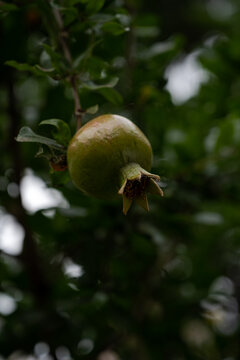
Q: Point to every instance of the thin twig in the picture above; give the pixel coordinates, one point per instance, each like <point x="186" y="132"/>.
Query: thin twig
<point x="63" y="35"/>
<point x="78" y="109"/>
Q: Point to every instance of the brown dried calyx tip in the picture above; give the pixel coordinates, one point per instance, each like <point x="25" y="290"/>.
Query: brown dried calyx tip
<point x="136" y="182"/>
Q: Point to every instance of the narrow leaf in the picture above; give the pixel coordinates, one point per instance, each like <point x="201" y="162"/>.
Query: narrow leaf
<point x="27" y="135"/>
<point x="7" y="7"/>
<point x="82" y="58"/>
<point x="111" y="95"/>
<point x="44" y="152"/>
<point x="55" y="57"/>
<point x="92" y="110"/>
<point x="61" y="133"/>
<point x="90" y="85"/>
<point x="93" y="6"/>
<point x="114" y="28"/>
<point x="35" y="69"/>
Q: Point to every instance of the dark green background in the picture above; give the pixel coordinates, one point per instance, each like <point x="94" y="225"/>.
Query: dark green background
<point x="158" y="285"/>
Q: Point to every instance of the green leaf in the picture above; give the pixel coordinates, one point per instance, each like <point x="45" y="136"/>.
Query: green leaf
<point x="44" y="152"/>
<point x="27" y="135"/>
<point x="111" y="95"/>
<point x="92" y="110"/>
<point x="101" y="18"/>
<point x="44" y="71"/>
<point x="5" y="7"/>
<point x="157" y="49"/>
<point x="93" y="6"/>
<point x="70" y="14"/>
<point x="97" y="70"/>
<point x="55" y="57"/>
<point x="74" y="2"/>
<point x="80" y="61"/>
<point x="35" y="69"/>
<point x="114" y="28"/>
<point x="90" y="85"/>
<point x="61" y="133"/>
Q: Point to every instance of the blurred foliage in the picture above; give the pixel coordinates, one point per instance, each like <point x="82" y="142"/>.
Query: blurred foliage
<point x="90" y="283"/>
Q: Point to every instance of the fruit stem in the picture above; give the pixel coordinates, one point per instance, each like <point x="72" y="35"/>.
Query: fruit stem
<point x="135" y="183"/>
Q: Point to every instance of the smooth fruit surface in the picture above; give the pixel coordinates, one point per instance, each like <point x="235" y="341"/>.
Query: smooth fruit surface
<point x="100" y="149"/>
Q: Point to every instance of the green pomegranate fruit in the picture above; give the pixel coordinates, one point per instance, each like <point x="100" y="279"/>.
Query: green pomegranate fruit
<point x="111" y="156"/>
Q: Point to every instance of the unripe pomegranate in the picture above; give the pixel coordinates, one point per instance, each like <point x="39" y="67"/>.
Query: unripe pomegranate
<point x="111" y="156"/>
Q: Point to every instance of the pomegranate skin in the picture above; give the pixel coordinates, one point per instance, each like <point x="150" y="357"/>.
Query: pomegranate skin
<point x="100" y="149"/>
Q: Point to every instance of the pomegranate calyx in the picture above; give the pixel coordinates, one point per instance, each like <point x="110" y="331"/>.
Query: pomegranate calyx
<point x="136" y="182"/>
